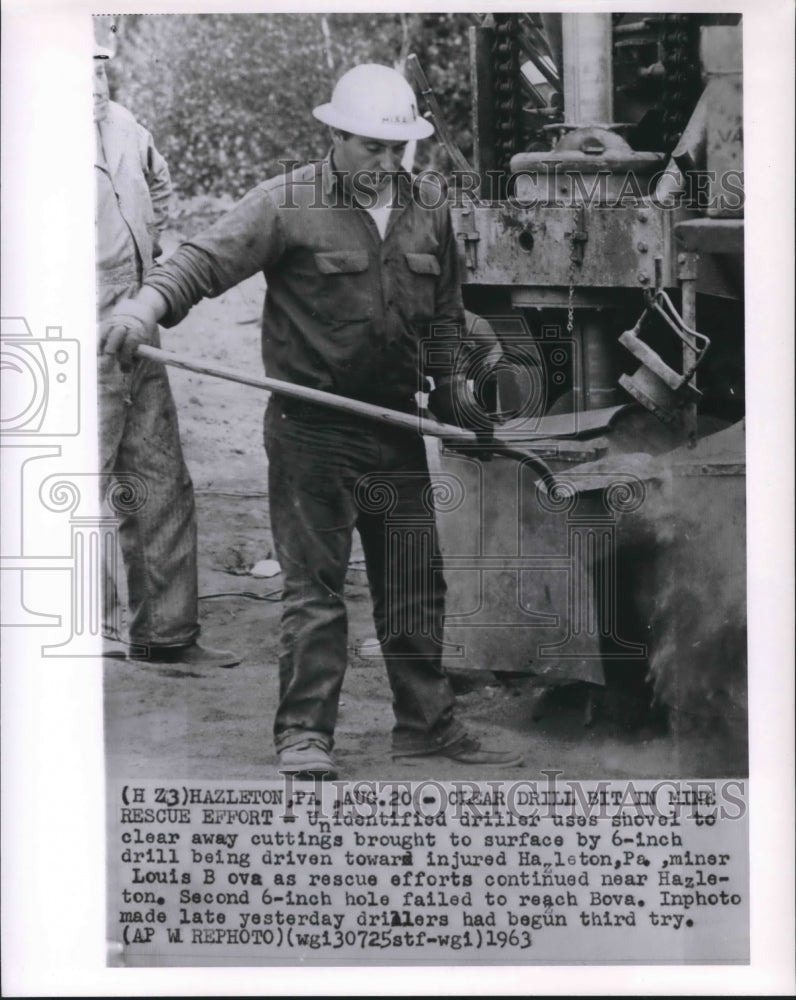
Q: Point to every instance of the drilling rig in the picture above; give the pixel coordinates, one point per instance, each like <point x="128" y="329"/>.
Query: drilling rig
<point x="600" y="230"/>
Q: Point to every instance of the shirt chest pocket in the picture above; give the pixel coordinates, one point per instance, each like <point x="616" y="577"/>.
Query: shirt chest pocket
<point x="343" y="293"/>
<point x="424" y="271"/>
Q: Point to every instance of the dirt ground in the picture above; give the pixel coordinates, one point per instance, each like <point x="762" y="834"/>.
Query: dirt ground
<point x="216" y="724"/>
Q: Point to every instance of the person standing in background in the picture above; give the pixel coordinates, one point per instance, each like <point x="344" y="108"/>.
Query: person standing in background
<point x="138" y="429"/>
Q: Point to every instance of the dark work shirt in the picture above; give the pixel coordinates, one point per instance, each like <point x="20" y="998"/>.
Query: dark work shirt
<point x="345" y="310"/>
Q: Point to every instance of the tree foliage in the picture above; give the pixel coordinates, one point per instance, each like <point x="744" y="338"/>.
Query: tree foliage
<point x="228" y="97"/>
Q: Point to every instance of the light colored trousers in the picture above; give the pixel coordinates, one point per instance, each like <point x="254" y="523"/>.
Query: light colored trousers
<point x="140" y="450"/>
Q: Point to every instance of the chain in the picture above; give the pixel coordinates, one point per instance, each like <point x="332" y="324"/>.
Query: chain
<point x="574" y="246"/>
<point x="571" y="296"/>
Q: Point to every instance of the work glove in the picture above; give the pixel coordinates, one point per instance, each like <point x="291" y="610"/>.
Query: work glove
<point x="131" y="324"/>
<point x="453" y="402"/>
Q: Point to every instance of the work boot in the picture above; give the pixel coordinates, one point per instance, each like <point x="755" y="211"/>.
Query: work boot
<point x="192" y="655"/>
<point x="114" y="649"/>
<point x="307" y="760"/>
<point x="467" y="750"/>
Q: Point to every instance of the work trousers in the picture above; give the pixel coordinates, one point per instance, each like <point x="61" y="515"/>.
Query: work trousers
<point x="149" y="487"/>
<point x="330" y="473"/>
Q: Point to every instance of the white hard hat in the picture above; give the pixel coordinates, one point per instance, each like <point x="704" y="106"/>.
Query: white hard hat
<point x="377" y="102"/>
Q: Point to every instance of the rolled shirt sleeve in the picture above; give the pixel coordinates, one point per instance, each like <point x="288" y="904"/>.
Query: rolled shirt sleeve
<point x="247" y="239"/>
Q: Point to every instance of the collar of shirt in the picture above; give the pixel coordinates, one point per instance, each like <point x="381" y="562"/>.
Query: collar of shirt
<point x="334" y="185"/>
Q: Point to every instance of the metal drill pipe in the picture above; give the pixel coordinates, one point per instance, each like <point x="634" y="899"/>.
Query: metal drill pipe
<point x="370" y="411"/>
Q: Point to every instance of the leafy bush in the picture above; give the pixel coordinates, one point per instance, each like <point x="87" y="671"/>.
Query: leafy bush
<point x="228" y="97"/>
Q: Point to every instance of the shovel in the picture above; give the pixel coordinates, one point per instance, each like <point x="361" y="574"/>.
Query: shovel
<point x="370" y="411"/>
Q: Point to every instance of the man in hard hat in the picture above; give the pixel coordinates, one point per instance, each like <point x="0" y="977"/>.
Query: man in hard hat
<point x="139" y="436"/>
<point x="361" y="266"/>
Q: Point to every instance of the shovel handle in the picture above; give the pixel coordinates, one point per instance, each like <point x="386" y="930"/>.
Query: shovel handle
<point x="371" y="411"/>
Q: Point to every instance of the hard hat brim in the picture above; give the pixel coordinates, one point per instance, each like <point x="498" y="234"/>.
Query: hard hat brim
<point x="420" y="128"/>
